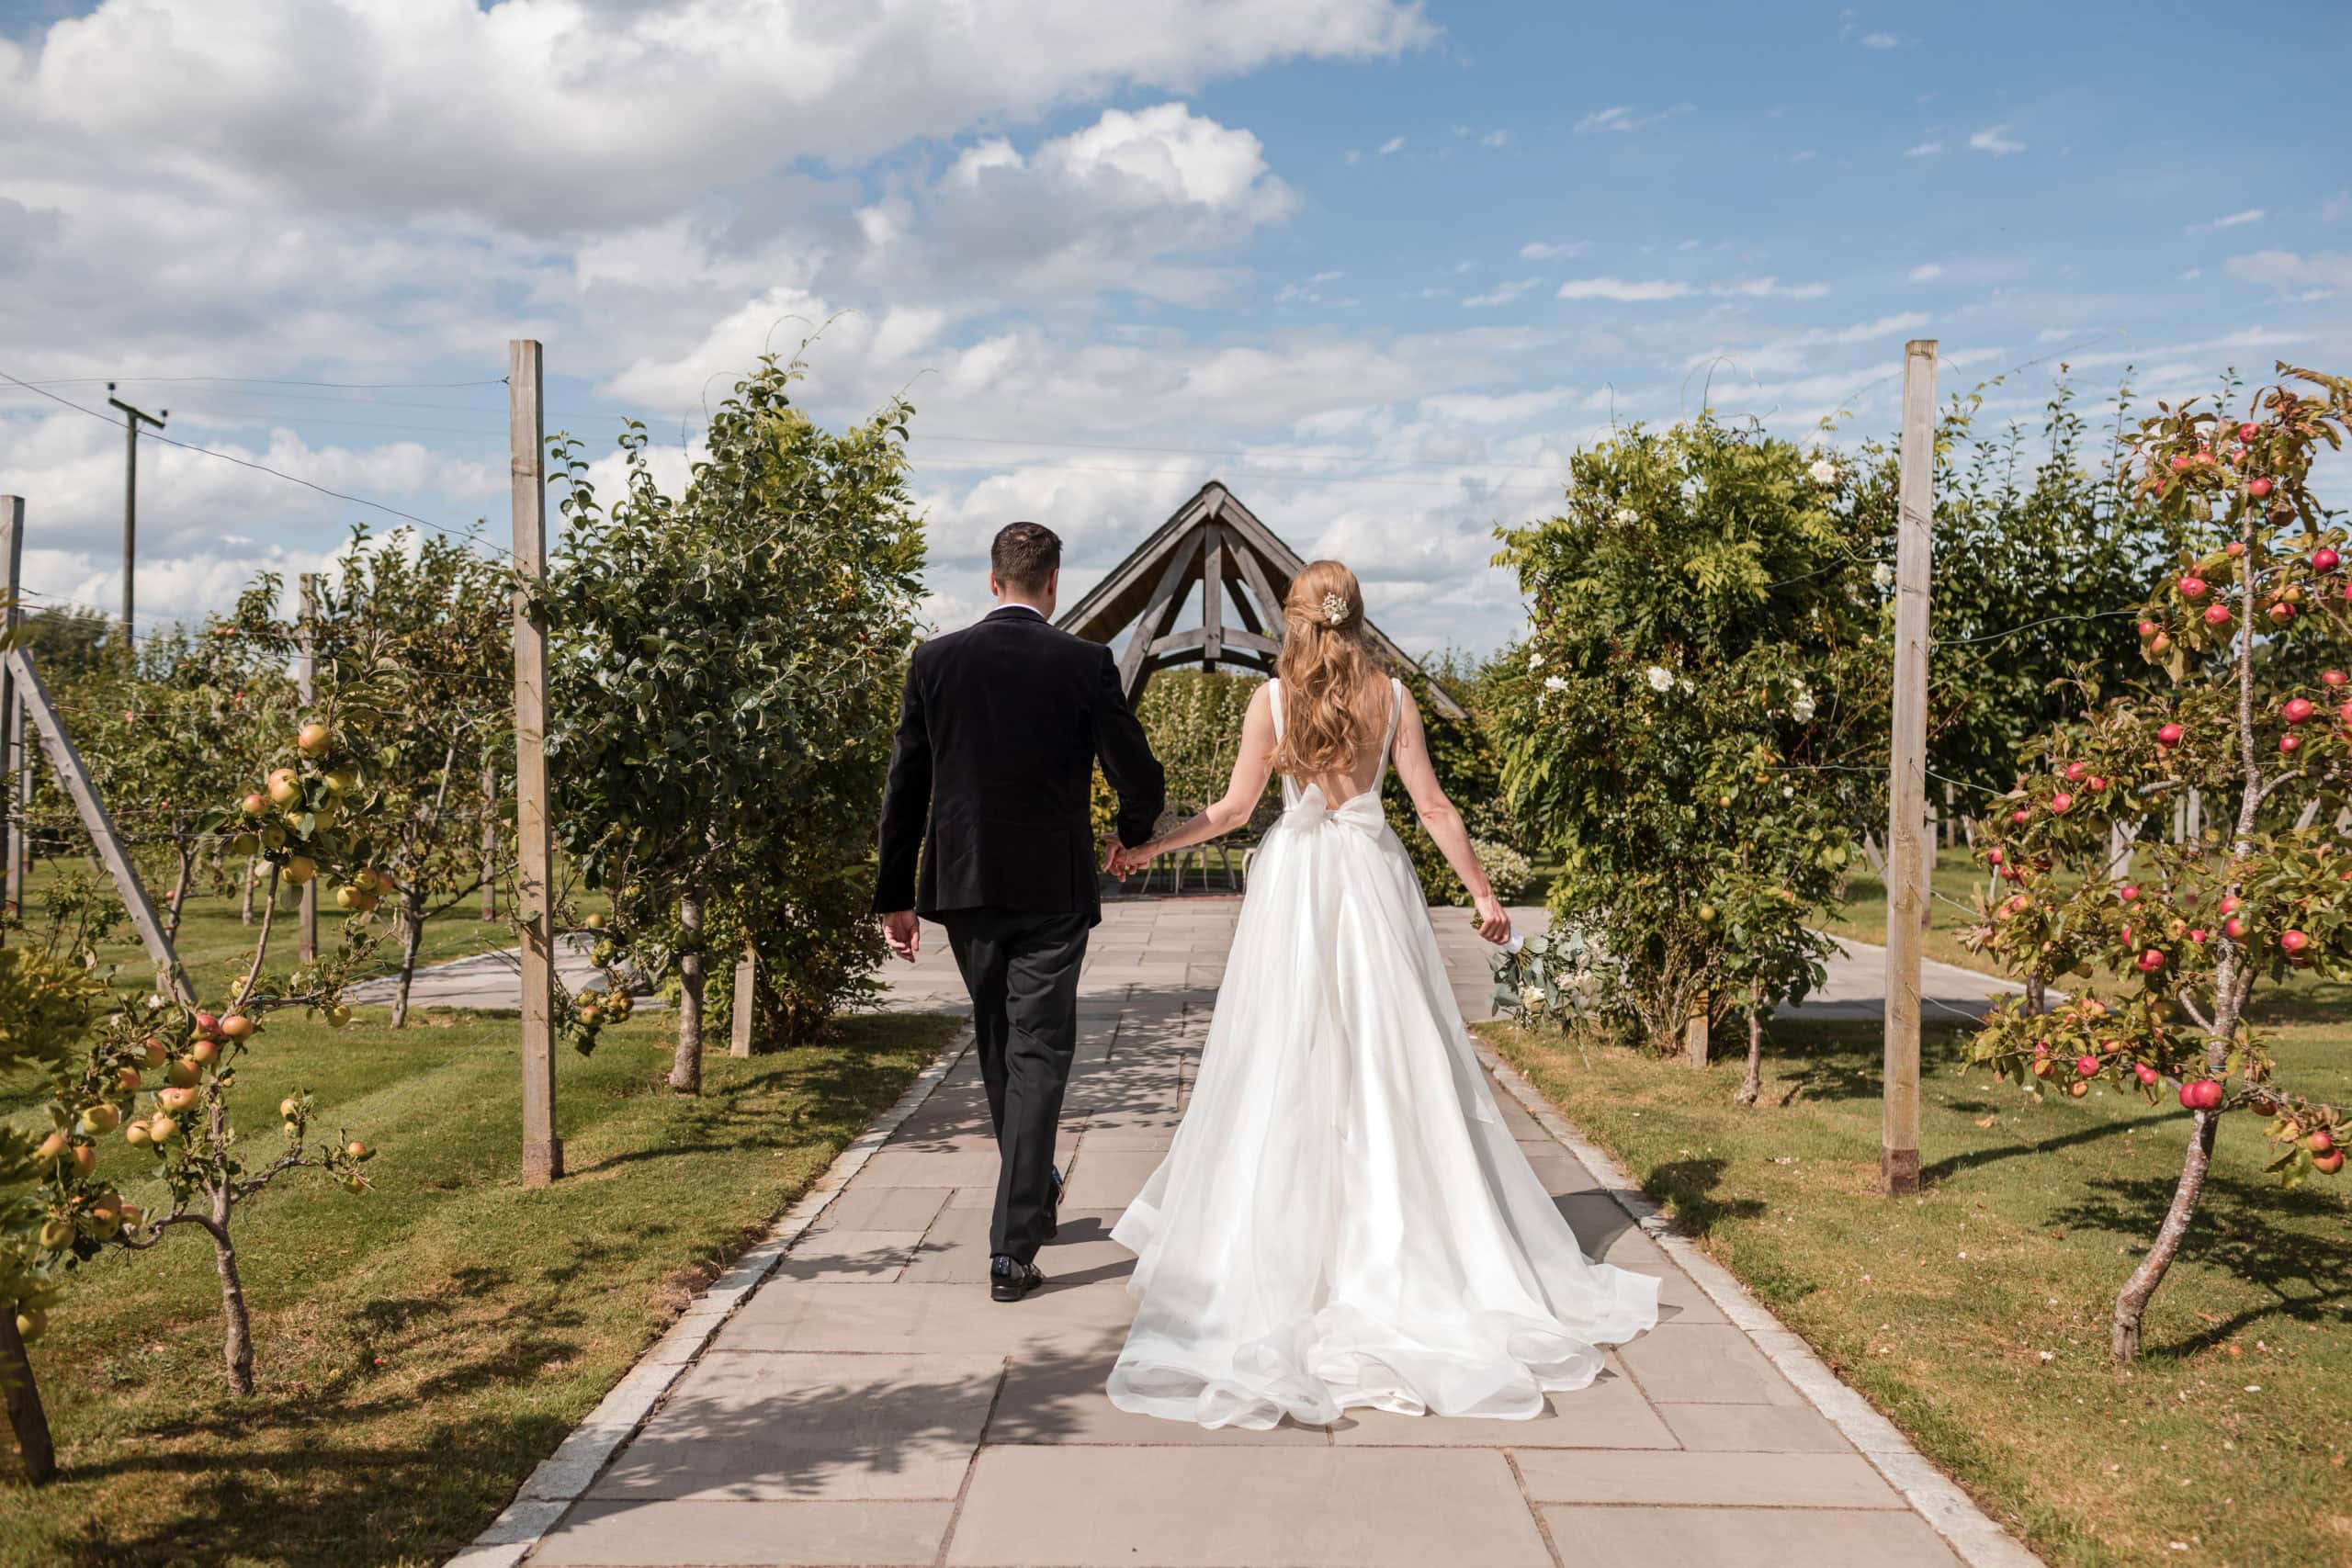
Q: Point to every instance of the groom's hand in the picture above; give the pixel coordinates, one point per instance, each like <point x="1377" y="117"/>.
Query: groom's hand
<point x="903" y="933"/>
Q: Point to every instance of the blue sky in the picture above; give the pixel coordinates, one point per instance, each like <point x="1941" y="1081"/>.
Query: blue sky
<point x="1382" y="266"/>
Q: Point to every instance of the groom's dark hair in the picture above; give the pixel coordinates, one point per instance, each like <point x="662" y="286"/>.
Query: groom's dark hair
<point x="1025" y="555"/>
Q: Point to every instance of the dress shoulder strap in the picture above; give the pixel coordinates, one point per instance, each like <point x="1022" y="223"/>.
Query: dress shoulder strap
<point x="1395" y="712"/>
<point x="1274" y="695"/>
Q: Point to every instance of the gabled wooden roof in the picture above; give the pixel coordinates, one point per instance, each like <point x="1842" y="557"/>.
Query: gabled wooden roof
<point x="1213" y="538"/>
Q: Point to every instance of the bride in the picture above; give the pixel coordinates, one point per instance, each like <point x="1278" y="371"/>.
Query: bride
<point x="1343" y="1218"/>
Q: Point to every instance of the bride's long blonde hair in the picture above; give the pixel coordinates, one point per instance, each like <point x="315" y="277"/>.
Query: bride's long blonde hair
<point x="1333" y="698"/>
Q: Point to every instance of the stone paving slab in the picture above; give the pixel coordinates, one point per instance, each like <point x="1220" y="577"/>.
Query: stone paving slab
<point x="868" y="1404"/>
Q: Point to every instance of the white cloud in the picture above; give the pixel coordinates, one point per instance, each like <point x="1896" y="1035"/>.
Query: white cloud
<point x="1494" y="139"/>
<point x="2192" y="275"/>
<point x="1995" y="139"/>
<point x="1538" y="250"/>
<point x="2250" y="215"/>
<point x="1501" y="294"/>
<point x="1927" y="272"/>
<point x="1924" y="150"/>
<point x="1623" y="118"/>
<point x="1880" y="41"/>
<point x="451" y="106"/>
<point x="1807" y="156"/>
<point x="2336" y="208"/>
<point x="2288" y="270"/>
<point x="1620" y="290"/>
<point x="1394" y="144"/>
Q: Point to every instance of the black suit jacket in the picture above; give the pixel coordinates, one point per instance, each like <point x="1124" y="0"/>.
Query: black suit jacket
<point x="999" y="732"/>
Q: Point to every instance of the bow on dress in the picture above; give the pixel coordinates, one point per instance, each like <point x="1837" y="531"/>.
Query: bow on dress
<point x="1314" y="810"/>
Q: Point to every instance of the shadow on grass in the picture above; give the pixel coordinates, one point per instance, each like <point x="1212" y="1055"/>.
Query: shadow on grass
<point x="1970" y="1159"/>
<point x="2238" y="1230"/>
<point x="1688" y="1186"/>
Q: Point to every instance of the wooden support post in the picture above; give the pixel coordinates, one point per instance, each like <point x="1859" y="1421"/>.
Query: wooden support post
<point x="12" y="556"/>
<point x="306" y="680"/>
<point x="1270" y="604"/>
<point x="1695" y="1042"/>
<point x="1213" y="600"/>
<point x="534" y="841"/>
<point x="1906" y="890"/>
<point x="112" y="855"/>
<point x="739" y="1039"/>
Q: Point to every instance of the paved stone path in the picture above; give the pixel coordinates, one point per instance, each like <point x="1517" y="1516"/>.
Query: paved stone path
<point x="855" y="1397"/>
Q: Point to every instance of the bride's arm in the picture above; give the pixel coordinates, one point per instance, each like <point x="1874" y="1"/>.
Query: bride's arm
<point x="1445" y="823"/>
<point x="1251" y="767"/>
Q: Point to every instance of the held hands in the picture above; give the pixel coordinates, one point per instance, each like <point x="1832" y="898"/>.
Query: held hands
<point x="1121" y="861"/>
<point x="1494" y="920"/>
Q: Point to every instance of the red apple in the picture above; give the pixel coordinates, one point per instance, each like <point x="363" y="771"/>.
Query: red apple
<point x="2098" y="784"/>
<point x="2062" y="803"/>
<point x="2171" y="734"/>
<point x="206" y="1025"/>
<point x="2144" y="1073"/>
<point x="2087" y="1066"/>
<point x="2248" y="432"/>
<point x="2200" y="1094"/>
<point x="2075" y="772"/>
<point x="2321" y="1141"/>
<point x="2324" y="560"/>
<point x="2180" y="465"/>
<point x="2330" y="1163"/>
<point x="2258" y="488"/>
<point x="2231" y="903"/>
<point x="2297" y="710"/>
<point x="2151" y="961"/>
<point x="255" y="803"/>
<point x="2234" y="929"/>
<point x="2294" y="941"/>
<point x="2192" y="587"/>
<point x="2197" y="935"/>
<point x="312" y="739"/>
<point x="1994" y="855"/>
<point x="2127" y="892"/>
<point x="2217" y="615"/>
<point x="2332" y="679"/>
<point x="2148" y="629"/>
<point x="2282" y="612"/>
<point x="2160" y="644"/>
<point x="237" y="1026"/>
<point x="2020" y="816"/>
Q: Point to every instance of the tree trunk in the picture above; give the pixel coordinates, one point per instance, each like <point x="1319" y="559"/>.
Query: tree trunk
<point x="2132" y="1304"/>
<point x="490" y="840"/>
<point x="179" y="892"/>
<point x="237" y="1327"/>
<point x="253" y="873"/>
<point x="1752" y="1086"/>
<point x="25" y="1413"/>
<point x="685" y="1068"/>
<point x="412" y="938"/>
<point x="2036" y="996"/>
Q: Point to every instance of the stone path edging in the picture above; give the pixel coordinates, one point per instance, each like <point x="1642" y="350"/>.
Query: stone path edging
<point x="565" y="1475"/>
<point x="1980" y="1539"/>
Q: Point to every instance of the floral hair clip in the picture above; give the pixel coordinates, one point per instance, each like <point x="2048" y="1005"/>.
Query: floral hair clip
<point x="1335" y="610"/>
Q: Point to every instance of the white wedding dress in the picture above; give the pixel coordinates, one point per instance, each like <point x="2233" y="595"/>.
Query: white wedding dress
<point x="1344" y="1219"/>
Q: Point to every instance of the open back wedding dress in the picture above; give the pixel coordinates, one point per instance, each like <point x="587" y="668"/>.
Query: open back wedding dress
<point x="1343" y="1218"/>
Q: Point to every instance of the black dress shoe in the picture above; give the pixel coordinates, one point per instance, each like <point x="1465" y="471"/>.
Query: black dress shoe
<point x="1010" y="1278"/>
<point x="1054" y="1205"/>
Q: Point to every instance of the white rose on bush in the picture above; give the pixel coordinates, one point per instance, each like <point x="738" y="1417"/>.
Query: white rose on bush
<point x="1660" y="678"/>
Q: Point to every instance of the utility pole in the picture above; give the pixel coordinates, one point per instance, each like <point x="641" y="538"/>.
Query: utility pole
<point x="131" y="418"/>
<point x="1907" y="856"/>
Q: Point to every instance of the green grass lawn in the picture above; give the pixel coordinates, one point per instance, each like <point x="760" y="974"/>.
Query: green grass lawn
<point x="1976" y="1315"/>
<point x="419" y="1347"/>
<point x="214" y="945"/>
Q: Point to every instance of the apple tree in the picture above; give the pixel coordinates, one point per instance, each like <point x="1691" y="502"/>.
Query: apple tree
<point x="725" y="667"/>
<point x="160" y="1072"/>
<point x="2251" y="636"/>
<point x="47" y="1008"/>
<point x="424" y="626"/>
<point x="1683" y="726"/>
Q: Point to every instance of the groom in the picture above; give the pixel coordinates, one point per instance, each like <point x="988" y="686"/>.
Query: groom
<point x="999" y="733"/>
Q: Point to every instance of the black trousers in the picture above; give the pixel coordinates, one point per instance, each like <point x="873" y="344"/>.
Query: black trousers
<point x="1021" y="972"/>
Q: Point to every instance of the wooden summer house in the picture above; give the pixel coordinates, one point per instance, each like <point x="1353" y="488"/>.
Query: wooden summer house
<point x="1241" y="573"/>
